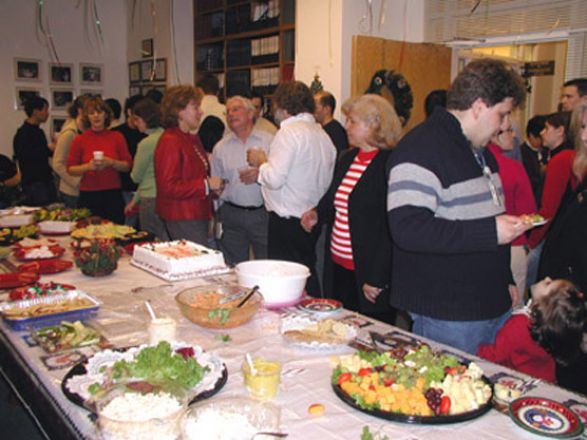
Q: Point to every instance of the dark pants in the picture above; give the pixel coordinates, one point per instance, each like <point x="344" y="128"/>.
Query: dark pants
<point x="107" y="204"/>
<point x="346" y="289"/>
<point x="40" y="193"/>
<point x="288" y="241"/>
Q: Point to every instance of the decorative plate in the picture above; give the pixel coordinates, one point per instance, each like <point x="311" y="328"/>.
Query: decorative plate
<point x="24" y="254"/>
<point x="320" y="306"/>
<point x="44" y="267"/>
<point x="76" y="382"/>
<point x="545" y="417"/>
<point x="294" y="330"/>
<point x="12" y="280"/>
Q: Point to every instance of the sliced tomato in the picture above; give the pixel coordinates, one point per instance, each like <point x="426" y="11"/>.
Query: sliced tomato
<point x="365" y="372"/>
<point x="344" y="377"/>
<point x="444" y="405"/>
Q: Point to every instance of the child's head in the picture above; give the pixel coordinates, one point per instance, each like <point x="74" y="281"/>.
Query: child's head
<point x="559" y="318"/>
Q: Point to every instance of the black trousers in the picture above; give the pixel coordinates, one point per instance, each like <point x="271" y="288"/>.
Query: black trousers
<point x="288" y="241"/>
<point x="106" y="203"/>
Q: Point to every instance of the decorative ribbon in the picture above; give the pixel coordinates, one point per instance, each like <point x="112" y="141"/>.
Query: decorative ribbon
<point x="44" y="29"/>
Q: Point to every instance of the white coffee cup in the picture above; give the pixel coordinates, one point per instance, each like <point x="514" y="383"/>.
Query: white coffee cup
<point x="98" y="155"/>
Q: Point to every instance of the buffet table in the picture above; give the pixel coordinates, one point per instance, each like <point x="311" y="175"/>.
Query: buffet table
<point x="305" y="379"/>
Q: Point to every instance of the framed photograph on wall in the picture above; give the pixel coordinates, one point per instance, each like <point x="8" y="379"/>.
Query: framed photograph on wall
<point x="91" y="74"/>
<point x="91" y="92"/>
<point x="160" y="70"/>
<point x="146" y="69"/>
<point x="134" y="72"/>
<point x="22" y="94"/>
<point x="27" y="70"/>
<point x="134" y="90"/>
<point x="147" y="48"/>
<point x="60" y="74"/>
<point x="56" y="125"/>
<point x="61" y="98"/>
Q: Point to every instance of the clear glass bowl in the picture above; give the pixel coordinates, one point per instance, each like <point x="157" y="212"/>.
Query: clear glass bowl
<point x="210" y="314"/>
<point x="230" y="418"/>
<point x="125" y="414"/>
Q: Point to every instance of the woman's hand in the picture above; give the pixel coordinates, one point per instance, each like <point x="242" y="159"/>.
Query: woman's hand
<point x="371" y="292"/>
<point x="130" y="208"/>
<point x="216" y="184"/>
<point x="309" y="220"/>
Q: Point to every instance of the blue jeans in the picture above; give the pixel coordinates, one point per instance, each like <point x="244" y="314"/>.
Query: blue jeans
<point x="534" y="264"/>
<point x="464" y="335"/>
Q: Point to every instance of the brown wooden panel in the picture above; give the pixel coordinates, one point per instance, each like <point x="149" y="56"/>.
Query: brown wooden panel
<point x="425" y="66"/>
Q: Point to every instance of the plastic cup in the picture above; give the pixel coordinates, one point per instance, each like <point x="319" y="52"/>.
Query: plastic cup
<point x="264" y="384"/>
<point x="98" y="155"/>
<point x="162" y="329"/>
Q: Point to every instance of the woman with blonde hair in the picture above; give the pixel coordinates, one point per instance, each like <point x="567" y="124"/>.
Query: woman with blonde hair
<point x="354" y="209"/>
<point x="99" y="155"/>
<point x="182" y="172"/>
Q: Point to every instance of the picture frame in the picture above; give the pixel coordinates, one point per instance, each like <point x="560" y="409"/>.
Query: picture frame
<point x="147" y="48"/>
<point x="146" y="67"/>
<point x="91" y="74"/>
<point x="22" y="93"/>
<point x="160" y="70"/>
<point x="60" y="74"/>
<point x="134" y="90"/>
<point x="56" y="125"/>
<point x="134" y="72"/>
<point x="159" y="87"/>
<point x="61" y="98"/>
<point x="26" y="69"/>
<point x="91" y="92"/>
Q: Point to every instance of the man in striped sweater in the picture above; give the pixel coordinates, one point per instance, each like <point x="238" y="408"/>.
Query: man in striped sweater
<point x="451" y="253"/>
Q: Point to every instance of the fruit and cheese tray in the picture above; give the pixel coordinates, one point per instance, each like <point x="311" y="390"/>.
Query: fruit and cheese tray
<point x="417" y="386"/>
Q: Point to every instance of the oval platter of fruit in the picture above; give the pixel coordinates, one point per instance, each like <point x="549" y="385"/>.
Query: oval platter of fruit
<point x="419" y="387"/>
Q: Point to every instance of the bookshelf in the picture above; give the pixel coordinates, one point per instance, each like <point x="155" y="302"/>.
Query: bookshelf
<point x="249" y="45"/>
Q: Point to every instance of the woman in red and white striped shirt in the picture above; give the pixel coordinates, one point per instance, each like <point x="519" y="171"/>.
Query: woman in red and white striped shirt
<point x="354" y="208"/>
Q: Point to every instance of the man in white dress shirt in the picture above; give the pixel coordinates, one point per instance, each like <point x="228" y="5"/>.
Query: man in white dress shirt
<point x="242" y="214"/>
<point x="294" y="176"/>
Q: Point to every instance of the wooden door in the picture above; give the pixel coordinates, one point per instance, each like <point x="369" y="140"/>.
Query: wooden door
<point x="425" y="66"/>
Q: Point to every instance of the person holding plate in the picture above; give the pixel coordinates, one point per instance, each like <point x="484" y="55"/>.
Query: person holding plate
<point x="354" y="209"/>
<point x="99" y="155"/>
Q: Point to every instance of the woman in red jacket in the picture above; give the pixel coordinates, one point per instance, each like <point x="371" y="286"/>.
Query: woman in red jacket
<point x="99" y="155"/>
<point x="182" y="171"/>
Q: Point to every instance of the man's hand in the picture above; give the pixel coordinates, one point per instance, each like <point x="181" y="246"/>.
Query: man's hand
<point x="249" y="176"/>
<point x="371" y="292"/>
<point x="309" y="220"/>
<point x="510" y="227"/>
<point x="256" y="157"/>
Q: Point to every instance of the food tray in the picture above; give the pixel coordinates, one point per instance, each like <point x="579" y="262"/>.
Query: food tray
<point x="20" y="324"/>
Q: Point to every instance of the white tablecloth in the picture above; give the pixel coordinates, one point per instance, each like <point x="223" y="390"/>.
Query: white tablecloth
<point x="123" y="319"/>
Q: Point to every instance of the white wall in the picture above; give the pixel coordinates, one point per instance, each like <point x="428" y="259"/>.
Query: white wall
<point x="67" y="23"/>
<point x="141" y="26"/>
<point x="324" y="31"/>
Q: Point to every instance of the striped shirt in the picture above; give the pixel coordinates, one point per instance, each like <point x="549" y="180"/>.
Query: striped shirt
<point x="340" y="240"/>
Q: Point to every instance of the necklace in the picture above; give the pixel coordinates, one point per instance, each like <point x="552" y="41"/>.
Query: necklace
<point x="202" y="157"/>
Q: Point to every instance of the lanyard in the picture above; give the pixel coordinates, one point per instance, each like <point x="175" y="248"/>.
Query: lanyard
<point x="487" y="173"/>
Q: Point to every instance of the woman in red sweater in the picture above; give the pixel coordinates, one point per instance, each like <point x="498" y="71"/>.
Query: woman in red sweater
<point x="182" y="172"/>
<point x="99" y="155"/>
<point x="519" y="200"/>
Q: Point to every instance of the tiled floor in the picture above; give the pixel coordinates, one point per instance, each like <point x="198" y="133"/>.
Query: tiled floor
<point x="15" y="421"/>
